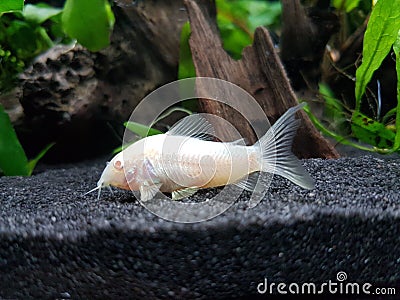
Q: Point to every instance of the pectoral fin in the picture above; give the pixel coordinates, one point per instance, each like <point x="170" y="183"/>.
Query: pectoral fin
<point x="149" y="171"/>
<point x="183" y="193"/>
<point x="147" y="192"/>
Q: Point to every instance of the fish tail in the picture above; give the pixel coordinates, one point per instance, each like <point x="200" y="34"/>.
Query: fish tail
<point x="276" y="155"/>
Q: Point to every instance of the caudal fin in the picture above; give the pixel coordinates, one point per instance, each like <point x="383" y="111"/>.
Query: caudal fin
<point x="277" y="156"/>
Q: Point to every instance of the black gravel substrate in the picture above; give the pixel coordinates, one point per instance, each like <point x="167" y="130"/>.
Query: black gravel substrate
<point x="56" y="243"/>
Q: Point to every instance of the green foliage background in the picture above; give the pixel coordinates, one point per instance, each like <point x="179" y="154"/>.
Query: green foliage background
<point x="27" y="31"/>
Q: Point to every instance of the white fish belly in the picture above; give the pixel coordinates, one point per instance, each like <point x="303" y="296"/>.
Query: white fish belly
<point x="189" y="162"/>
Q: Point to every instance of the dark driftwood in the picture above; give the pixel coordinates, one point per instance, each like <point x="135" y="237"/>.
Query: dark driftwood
<point x="259" y="72"/>
<point x="305" y="33"/>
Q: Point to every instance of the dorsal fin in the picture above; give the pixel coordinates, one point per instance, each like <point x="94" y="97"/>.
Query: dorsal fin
<point x="195" y="126"/>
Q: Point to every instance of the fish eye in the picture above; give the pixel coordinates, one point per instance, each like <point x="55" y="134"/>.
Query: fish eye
<point x="118" y="165"/>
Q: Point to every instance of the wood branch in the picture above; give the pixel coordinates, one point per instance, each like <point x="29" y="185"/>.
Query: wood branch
<point x="298" y="32"/>
<point x="259" y="72"/>
<point x="305" y="33"/>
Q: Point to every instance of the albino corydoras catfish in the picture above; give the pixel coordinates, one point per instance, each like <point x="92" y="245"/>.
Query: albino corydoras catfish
<point x="182" y="160"/>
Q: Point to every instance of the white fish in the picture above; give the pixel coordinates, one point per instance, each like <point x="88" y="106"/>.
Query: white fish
<point x="182" y="160"/>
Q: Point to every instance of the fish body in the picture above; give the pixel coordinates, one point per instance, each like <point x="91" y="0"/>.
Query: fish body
<point x="183" y="160"/>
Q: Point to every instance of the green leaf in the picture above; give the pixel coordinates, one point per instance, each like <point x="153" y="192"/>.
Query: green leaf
<point x="32" y="163"/>
<point x="22" y="39"/>
<point x="391" y="113"/>
<point x="396" y="48"/>
<point x="262" y="13"/>
<point x="39" y="13"/>
<point x="89" y="21"/>
<point x="143" y="130"/>
<point x="140" y="129"/>
<point x="27" y="40"/>
<point x="337" y="137"/>
<point x="118" y="149"/>
<point x="11" y="5"/>
<point x="172" y="110"/>
<point x="13" y="160"/>
<point x="186" y="66"/>
<point x="371" y="131"/>
<point x="56" y="30"/>
<point x="347" y="5"/>
<point x="333" y="110"/>
<point x="44" y="42"/>
<point x="382" y="29"/>
<point x="237" y="21"/>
